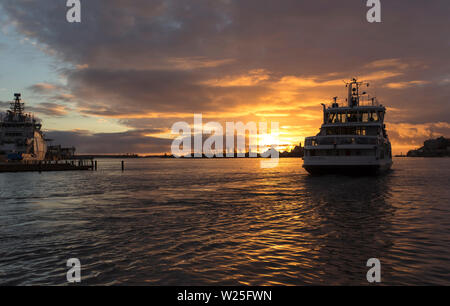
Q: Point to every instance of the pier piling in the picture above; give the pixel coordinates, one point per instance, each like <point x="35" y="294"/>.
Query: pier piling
<point x="123" y="165"/>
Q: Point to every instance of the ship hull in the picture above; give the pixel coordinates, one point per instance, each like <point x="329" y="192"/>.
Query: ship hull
<point x="352" y="170"/>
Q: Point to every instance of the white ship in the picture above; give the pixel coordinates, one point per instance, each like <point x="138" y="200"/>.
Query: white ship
<point x="352" y="138"/>
<point x="21" y="137"/>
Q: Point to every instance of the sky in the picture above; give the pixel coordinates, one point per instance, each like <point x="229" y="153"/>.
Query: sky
<point x="119" y="80"/>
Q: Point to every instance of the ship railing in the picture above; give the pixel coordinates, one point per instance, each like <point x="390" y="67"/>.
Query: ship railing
<point x="363" y="101"/>
<point x="346" y="140"/>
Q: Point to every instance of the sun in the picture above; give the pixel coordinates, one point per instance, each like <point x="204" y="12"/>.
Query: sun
<point x="265" y="141"/>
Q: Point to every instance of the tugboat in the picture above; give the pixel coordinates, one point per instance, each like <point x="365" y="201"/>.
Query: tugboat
<point x="21" y="137"/>
<point x="352" y="139"/>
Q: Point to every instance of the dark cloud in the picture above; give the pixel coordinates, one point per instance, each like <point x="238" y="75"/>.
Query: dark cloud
<point x="169" y="57"/>
<point x="63" y="97"/>
<point x="139" y="35"/>
<point x="49" y="109"/>
<point x="42" y="88"/>
<point x="122" y="92"/>
<point x="53" y="92"/>
<point x="101" y="143"/>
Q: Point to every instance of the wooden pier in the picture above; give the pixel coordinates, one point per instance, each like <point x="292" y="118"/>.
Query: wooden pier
<point x="48" y="165"/>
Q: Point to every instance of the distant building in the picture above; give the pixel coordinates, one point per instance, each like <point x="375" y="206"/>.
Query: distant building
<point x="298" y="151"/>
<point x="439" y="147"/>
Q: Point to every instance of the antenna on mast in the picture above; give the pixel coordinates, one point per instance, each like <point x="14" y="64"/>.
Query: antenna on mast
<point x="353" y="92"/>
<point x="17" y="106"/>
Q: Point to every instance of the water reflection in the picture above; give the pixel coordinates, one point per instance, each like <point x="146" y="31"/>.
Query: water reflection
<point x="355" y="219"/>
<point x="225" y="222"/>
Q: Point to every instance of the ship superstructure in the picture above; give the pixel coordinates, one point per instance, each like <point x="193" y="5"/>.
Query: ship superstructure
<point x="21" y="137"/>
<point x="352" y="138"/>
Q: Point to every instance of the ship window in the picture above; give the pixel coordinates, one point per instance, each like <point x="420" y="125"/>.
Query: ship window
<point x="337" y="119"/>
<point x="373" y="116"/>
<point x="365" y="117"/>
<point x="361" y="131"/>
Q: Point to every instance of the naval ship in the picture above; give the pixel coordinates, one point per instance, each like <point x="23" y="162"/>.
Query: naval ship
<point x="352" y="138"/>
<point x="21" y="137"/>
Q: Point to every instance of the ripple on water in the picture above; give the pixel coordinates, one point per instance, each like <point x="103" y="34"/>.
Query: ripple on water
<point x="226" y="222"/>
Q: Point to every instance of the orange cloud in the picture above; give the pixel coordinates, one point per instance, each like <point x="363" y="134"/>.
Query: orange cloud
<point x="407" y="84"/>
<point x="251" y="78"/>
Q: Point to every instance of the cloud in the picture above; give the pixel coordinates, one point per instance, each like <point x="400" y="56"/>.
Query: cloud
<point x="43" y="88"/>
<point x="390" y="62"/>
<point x="54" y="92"/>
<point x="64" y="97"/>
<point x="49" y="109"/>
<point x="160" y="61"/>
<point x="407" y="84"/>
<point x="195" y="63"/>
<point x="251" y="78"/>
<point x="416" y="134"/>
<point x="100" y="143"/>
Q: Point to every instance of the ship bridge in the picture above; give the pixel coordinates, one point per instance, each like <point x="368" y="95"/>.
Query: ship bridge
<point x="359" y="110"/>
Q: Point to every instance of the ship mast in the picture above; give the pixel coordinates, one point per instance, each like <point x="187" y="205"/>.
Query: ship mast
<point x="354" y="92"/>
<point x="17" y="107"/>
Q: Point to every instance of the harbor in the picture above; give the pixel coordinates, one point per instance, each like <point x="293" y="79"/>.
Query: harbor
<point x="224" y="152"/>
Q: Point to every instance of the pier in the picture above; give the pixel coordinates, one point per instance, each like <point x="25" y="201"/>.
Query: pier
<point x="48" y="165"/>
